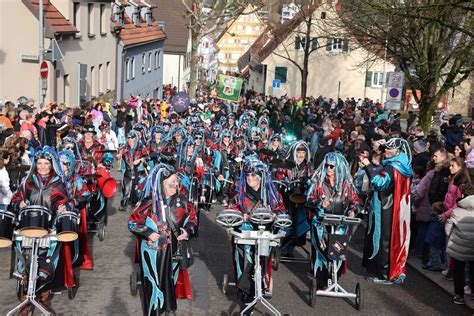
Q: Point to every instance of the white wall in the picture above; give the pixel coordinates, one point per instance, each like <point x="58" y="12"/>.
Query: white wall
<point x="17" y="77"/>
<point x="173" y="68"/>
<point x="93" y="51"/>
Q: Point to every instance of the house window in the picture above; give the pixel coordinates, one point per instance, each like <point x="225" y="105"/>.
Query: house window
<point x="133" y="67"/>
<point x="100" y="78"/>
<point x="323" y="15"/>
<point x="377" y="79"/>
<point x="300" y="42"/>
<point x="90" y="19"/>
<point x="280" y="74"/>
<point x="128" y="69"/>
<point x="66" y="89"/>
<point x="143" y="63"/>
<point x="76" y="18"/>
<point x="102" y="20"/>
<point x="149" y="61"/>
<point x="337" y="45"/>
<point x="93" y="82"/>
<point x="108" y="76"/>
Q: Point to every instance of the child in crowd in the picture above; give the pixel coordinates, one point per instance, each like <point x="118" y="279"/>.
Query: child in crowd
<point x="436" y="239"/>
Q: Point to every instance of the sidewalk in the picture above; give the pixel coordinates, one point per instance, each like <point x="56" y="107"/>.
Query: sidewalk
<point x="437" y="278"/>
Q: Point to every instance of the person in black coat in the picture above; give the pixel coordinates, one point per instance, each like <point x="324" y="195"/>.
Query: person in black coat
<point x="453" y="133"/>
<point x="439" y="184"/>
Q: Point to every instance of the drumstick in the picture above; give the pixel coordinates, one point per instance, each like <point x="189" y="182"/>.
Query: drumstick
<point x="227" y="180"/>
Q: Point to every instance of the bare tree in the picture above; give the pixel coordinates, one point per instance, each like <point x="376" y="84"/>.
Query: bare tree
<point x="303" y="39"/>
<point x="206" y="17"/>
<point x="431" y="41"/>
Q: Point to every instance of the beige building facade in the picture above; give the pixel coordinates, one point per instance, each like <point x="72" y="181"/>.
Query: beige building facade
<point x="237" y="37"/>
<point x="336" y="66"/>
<point x="82" y="31"/>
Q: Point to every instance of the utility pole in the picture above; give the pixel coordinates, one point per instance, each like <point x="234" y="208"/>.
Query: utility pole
<point x="42" y="82"/>
<point x="384" y="82"/>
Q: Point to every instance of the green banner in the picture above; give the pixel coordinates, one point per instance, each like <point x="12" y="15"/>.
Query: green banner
<point x="229" y="88"/>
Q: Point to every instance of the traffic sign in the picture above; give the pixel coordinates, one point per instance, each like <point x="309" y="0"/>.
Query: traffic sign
<point x="44" y="70"/>
<point x="276" y="83"/>
<point x="394" y="92"/>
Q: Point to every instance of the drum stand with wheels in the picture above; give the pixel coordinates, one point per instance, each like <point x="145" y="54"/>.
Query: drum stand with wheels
<point x="35" y="244"/>
<point x="262" y="240"/>
<point x="334" y="288"/>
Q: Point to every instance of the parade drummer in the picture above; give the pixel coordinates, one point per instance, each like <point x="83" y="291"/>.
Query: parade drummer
<point x="163" y="219"/>
<point x="79" y="192"/>
<point x="332" y="192"/>
<point x="133" y="158"/>
<point x="298" y="178"/>
<point x="388" y="235"/>
<point x="44" y="186"/>
<point x="157" y="142"/>
<point x="92" y="151"/>
<point x="254" y="190"/>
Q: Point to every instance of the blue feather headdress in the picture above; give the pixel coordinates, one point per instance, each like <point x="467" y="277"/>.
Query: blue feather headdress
<point x="152" y="187"/>
<point x="268" y="192"/>
<point x="342" y="171"/>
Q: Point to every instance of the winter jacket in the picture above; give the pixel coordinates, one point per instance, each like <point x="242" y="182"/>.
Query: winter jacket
<point x="460" y="230"/>
<point x="450" y="199"/>
<point x="439" y="183"/>
<point x="453" y="136"/>
<point x="435" y="236"/>
<point x="421" y="201"/>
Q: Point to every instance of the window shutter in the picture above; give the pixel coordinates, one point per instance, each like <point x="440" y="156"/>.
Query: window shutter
<point x="297" y="42"/>
<point x="314" y="43"/>
<point x="368" y="79"/>
<point x="280" y="73"/>
<point x="345" y="45"/>
<point x="329" y="44"/>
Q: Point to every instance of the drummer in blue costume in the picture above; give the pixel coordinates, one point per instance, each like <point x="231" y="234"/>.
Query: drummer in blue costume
<point x="254" y="190"/>
<point x="332" y="192"/>
<point x="163" y="218"/>
<point x="45" y="186"/>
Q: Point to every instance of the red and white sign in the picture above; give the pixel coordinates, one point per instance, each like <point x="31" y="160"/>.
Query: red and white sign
<point x="44" y="70"/>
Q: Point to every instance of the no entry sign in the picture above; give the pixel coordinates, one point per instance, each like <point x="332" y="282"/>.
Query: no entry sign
<point x="44" y="70"/>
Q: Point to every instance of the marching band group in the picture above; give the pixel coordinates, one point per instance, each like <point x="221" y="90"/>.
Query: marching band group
<point x="173" y="171"/>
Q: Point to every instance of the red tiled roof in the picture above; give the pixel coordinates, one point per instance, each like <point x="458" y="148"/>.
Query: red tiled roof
<point x="55" y="22"/>
<point x="132" y="35"/>
<point x="173" y="13"/>
<point x="123" y="2"/>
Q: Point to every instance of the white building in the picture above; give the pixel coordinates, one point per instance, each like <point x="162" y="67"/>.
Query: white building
<point x="82" y="31"/>
<point x="207" y="52"/>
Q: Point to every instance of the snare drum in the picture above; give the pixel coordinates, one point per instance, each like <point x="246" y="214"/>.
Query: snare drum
<point x="6" y="228"/>
<point x="35" y="220"/>
<point x="298" y="192"/>
<point x="67" y="226"/>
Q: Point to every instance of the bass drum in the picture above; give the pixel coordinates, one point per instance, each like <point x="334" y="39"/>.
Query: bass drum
<point x="7" y="220"/>
<point x="106" y="183"/>
<point x="298" y="192"/>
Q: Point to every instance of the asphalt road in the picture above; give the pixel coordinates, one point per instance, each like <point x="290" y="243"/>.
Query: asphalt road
<point x="105" y="290"/>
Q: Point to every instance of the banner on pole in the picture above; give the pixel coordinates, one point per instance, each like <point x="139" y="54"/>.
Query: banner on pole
<point x="229" y="88"/>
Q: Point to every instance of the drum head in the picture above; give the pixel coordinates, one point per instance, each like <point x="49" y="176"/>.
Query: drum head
<point x="4" y="242"/>
<point x="298" y="198"/>
<point x="67" y="236"/>
<point x="33" y="232"/>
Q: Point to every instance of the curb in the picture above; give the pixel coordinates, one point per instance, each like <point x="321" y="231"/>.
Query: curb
<point x="437" y="278"/>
